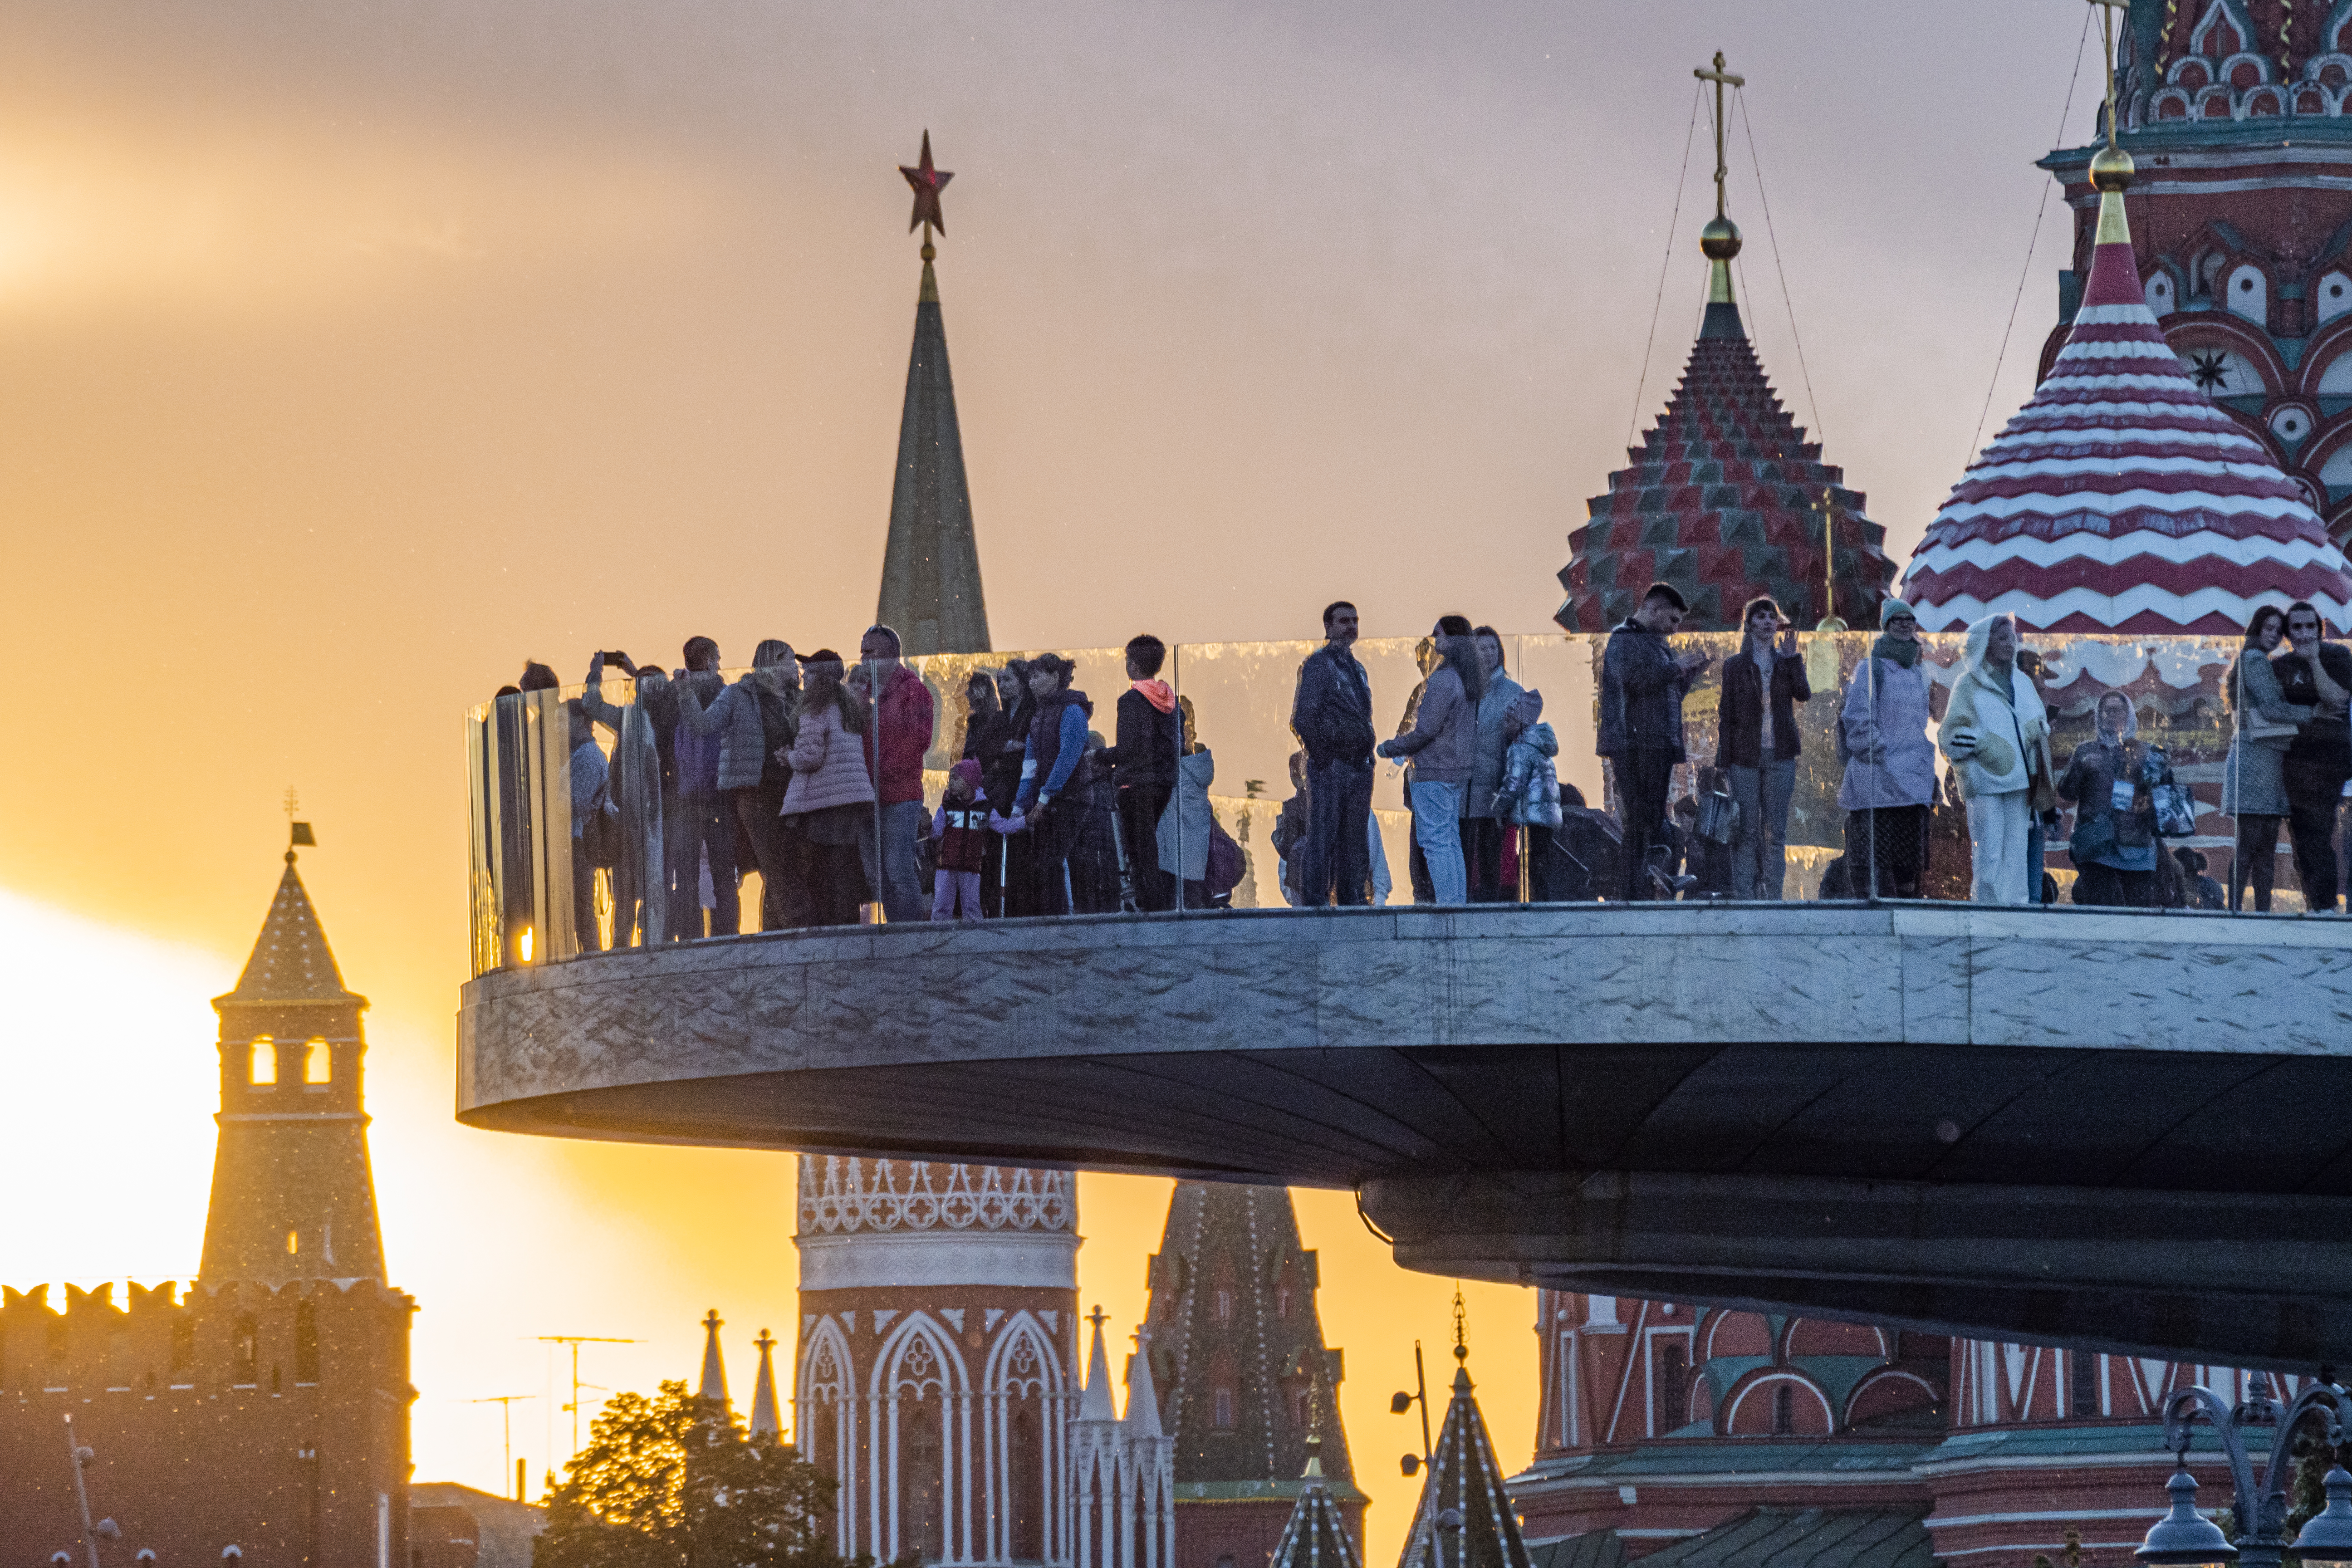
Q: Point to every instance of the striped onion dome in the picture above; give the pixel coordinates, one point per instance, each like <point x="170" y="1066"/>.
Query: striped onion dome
<point x="2121" y="498"/>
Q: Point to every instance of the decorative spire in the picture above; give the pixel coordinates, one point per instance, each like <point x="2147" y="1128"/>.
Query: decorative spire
<point x="1094" y="1402"/>
<point x="714" y="1370"/>
<point x="1316" y="1536"/>
<point x="764" y="1421"/>
<point x="1719" y="240"/>
<point x="1142" y="1397"/>
<point x="930" y="566"/>
<point x="290" y="961"/>
<point x="1464" y="1519"/>
<point x="1723" y="499"/>
<point x="2121" y="499"/>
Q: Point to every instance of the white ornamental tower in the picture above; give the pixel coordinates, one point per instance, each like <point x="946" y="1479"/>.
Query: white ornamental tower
<point x="936" y="1373"/>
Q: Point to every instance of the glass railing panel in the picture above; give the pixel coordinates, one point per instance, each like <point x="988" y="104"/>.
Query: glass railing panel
<point x="537" y="893"/>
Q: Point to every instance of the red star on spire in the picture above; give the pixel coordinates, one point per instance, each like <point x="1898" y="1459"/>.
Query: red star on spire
<point x="928" y="182"/>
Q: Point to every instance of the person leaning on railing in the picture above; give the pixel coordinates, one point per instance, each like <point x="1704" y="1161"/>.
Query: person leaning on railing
<point x="2254" y="784"/>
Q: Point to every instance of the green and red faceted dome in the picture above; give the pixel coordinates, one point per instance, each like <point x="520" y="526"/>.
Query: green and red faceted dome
<point x="1724" y="500"/>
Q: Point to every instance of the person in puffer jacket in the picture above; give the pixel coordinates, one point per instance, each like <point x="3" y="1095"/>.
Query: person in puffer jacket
<point x="1530" y="796"/>
<point x="960" y="830"/>
<point x="750" y="780"/>
<point x="830" y="791"/>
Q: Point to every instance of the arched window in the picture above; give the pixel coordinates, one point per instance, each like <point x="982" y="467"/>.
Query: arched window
<point x="263" y="1062"/>
<point x="318" y="1063"/>
<point x="919" y="1372"/>
<point x="1022" y="1376"/>
<point x="306" y="1342"/>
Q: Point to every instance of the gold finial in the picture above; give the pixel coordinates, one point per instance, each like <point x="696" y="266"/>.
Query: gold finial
<point x="2111" y="166"/>
<point x="1829" y="621"/>
<point x="1719" y="240"/>
<point x="1462" y="1313"/>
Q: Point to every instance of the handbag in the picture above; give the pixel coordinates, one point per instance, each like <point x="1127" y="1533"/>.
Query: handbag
<point x="2176" y="810"/>
<point x="1718" y="818"/>
<point x="2254" y="726"/>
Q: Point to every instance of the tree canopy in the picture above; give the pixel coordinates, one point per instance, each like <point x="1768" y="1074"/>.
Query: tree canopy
<point x="674" y="1482"/>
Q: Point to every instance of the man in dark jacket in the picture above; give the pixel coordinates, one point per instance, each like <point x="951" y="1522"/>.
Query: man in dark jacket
<point x="1331" y="715"/>
<point x="900" y="731"/>
<point x="1144" y="765"/>
<point x="1642" y="681"/>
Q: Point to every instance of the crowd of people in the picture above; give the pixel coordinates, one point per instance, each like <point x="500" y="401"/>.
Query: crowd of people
<point x="809" y="770"/>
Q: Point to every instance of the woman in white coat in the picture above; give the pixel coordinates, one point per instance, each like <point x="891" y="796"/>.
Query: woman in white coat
<point x="1996" y="734"/>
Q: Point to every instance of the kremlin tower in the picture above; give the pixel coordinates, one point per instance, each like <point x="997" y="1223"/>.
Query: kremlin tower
<point x="1726" y="498"/>
<point x="930" y="570"/>
<point x="1237" y="1343"/>
<point x="2135" y="493"/>
<point x="265" y="1413"/>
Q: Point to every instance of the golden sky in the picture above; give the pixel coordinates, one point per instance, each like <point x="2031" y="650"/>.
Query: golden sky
<point x="349" y="355"/>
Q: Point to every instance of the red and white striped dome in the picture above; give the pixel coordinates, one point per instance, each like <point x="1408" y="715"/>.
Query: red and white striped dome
<point x="2122" y="499"/>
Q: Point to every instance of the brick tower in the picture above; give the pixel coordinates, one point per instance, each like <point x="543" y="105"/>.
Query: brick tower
<point x="1238" y="1346"/>
<point x="267" y="1410"/>
<point x="938" y="1359"/>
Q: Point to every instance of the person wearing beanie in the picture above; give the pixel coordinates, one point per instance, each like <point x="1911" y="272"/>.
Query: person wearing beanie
<point x="959" y="832"/>
<point x="1889" y="786"/>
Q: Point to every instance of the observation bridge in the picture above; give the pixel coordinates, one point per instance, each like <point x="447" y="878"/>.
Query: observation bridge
<point x="2122" y="1130"/>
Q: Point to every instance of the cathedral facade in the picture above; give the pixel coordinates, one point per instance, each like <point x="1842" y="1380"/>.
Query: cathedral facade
<point x="261" y="1417"/>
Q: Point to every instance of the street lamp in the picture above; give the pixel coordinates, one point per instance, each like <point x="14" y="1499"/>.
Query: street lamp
<point x="2258" y="1509"/>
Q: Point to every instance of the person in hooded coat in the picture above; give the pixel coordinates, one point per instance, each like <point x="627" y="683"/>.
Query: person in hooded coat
<point x="1889" y="787"/>
<point x="2110" y="779"/>
<point x="1997" y="736"/>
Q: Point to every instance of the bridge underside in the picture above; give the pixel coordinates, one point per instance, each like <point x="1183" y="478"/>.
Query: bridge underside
<point x="2120" y="1131"/>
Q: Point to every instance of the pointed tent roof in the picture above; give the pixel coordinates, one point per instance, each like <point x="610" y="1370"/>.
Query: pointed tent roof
<point x="291" y="960"/>
<point x="714" y="1369"/>
<point x="1142" y="1398"/>
<point x="2121" y="498"/>
<point x="1464" y="1519"/>
<point x="1094" y="1400"/>
<point x="765" y="1422"/>
<point x="930" y="566"/>
<point x="1315" y="1536"/>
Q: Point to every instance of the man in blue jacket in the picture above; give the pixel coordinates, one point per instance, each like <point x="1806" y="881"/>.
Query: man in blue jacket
<point x="1642" y="681"/>
<point x="1331" y="715"/>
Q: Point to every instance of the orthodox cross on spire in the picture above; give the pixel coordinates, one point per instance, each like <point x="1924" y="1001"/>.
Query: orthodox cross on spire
<point x="928" y="182"/>
<point x="2107" y="9"/>
<point x="1723" y="78"/>
<point x="1719" y="240"/>
<point x="1461" y="1313"/>
<point x="2111" y="166"/>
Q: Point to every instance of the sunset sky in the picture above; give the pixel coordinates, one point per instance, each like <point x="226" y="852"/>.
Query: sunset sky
<point x="351" y="355"/>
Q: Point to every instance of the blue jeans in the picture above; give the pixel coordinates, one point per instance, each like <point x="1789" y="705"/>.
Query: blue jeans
<point x="898" y="881"/>
<point x="1437" y="828"/>
<point x="1338" y="806"/>
<point x="1760" y="845"/>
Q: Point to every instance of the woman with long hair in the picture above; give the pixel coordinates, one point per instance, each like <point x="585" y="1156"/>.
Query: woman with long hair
<point x="830" y="789"/>
<point x="1755" y="745"/>
<point x="2253" y="782"/>
<point x="1441" y="744"/>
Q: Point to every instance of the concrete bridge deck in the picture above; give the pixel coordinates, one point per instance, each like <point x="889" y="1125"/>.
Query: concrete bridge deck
<point x="2128" y="1130"/>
